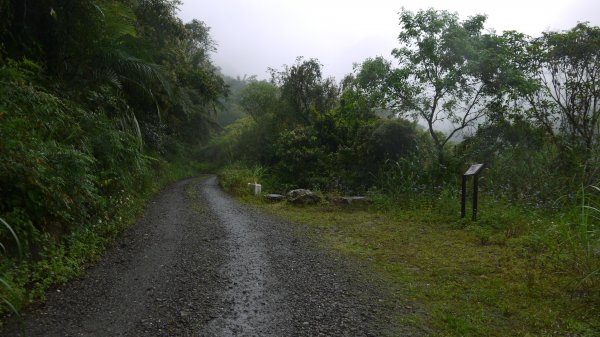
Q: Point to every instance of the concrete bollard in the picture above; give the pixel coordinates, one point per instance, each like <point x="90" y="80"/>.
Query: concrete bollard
<point x="255" y="188"/>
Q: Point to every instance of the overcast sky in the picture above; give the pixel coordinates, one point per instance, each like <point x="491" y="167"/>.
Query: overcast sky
<point x="253" y="35"/>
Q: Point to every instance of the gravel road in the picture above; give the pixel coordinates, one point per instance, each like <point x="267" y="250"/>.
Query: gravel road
<point x="198" y="263"/>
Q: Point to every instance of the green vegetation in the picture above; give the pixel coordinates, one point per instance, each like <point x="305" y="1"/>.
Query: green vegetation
<point x="526" y="107"/>
<point x="104" y="102"/>
<point x="101" y="104"/>
<point x="516" y="271"/>
<point x="8" y="290"/>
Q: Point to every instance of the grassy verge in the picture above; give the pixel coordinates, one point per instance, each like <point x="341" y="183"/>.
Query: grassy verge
<point x="26" y="280"/>
<point x="512" y="273"/>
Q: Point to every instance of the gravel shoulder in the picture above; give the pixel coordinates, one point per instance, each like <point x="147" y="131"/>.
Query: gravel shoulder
<point x="198" y="263"/>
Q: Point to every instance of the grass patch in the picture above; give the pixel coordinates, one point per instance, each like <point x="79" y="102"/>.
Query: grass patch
<point x="465" y="285"/>
<point x="505" y="275"/>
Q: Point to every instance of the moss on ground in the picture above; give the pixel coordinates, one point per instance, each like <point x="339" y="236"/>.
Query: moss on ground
<point x="460" y="278"/>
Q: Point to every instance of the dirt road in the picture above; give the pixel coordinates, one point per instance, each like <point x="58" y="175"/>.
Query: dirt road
<point x="200" y="264"/>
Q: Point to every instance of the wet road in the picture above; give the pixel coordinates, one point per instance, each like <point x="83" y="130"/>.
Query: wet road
<point x="198" y="263"/>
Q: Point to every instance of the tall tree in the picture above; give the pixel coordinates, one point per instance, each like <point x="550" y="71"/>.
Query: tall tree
<point x="565" y="98"/>
<point x="305" y="90"/>
<point x="183" y="52"/>
<point x="259" y="98"/>
<point x="438" y="75"/>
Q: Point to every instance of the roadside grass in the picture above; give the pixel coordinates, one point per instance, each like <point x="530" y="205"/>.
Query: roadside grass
<point x="26" y="280"/>
<point x="508" y="274"/>
<point x="463" y="282"/>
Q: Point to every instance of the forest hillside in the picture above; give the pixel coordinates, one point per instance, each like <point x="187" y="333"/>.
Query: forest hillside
<point x="103" y="102"/>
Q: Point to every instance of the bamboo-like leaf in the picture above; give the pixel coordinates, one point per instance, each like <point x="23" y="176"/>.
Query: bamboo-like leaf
<point x="138" y="131"/>
<point x="6" y="225"/>
<point x="2" y="281"/>
<point x="11" y="306"/>
<point x="131" y="68"/>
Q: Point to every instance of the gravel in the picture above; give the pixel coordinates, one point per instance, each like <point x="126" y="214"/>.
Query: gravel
<point x="200" y="264"/>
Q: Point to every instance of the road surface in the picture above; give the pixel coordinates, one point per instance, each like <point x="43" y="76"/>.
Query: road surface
<point x="198" y="263"/>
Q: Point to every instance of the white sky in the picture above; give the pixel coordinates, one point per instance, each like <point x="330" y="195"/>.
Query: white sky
<point x="253" y="35"/>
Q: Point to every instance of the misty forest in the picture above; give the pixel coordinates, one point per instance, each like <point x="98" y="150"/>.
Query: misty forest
<point x="104" y="103"/>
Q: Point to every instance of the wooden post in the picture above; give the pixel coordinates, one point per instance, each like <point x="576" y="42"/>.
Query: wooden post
<point x="472" y="171"/>
<point x="475" y="192"/>
<point x="463" y="197"/>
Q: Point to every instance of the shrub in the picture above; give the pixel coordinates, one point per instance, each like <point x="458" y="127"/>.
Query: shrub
<point x="8" y="294"/>
<point x="300" y="160"/>
<point x="46" y="175"/>
<point x="63" y="168"/>
<point x="393" y="139"/>
<point x="234" y="179"/>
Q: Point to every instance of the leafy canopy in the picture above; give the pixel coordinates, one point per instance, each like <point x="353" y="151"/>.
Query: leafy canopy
<point x="438" y="75"/>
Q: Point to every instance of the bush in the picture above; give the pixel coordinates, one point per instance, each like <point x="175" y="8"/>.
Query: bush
<point x="64" y="172"/>
<point x="244" y="141"/>
<point x="300" y="160"/>
<point x="392" y="140"/>
<point x="234" y="179"/>
<point x="46" y="174"/>
<point x="521" y="166"/>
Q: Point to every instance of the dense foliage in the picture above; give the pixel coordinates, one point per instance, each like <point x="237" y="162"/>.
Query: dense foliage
<point x="96" y="96"/>
<point x="404" y="131"/>
<point x="308" y="131"/>
<point x="518" y="104"/>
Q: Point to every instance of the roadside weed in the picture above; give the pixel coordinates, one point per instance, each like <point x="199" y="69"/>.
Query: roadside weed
<point x="515" y="271"/>
<point x="7" y="291"/>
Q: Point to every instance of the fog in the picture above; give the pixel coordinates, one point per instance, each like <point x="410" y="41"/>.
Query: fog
<point x="255" y="35"/>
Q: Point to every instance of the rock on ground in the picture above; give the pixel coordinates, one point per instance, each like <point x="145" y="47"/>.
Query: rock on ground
<point x="274" y="197"/>
<point x="355" y="200"/>
<point x="302" y="197"/>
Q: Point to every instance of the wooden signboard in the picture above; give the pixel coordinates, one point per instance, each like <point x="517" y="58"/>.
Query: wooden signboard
<point x="472" y="171"/>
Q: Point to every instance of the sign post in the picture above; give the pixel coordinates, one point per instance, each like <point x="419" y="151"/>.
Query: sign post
<point x="472" y="171"/>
